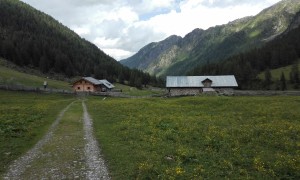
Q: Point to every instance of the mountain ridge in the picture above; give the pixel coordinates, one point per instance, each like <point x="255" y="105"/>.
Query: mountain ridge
<point x="219" y="42"/>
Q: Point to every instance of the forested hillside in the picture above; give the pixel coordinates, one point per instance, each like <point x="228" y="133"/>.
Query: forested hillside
<point x="283" y="51"/>
<point x="31" y="38"/>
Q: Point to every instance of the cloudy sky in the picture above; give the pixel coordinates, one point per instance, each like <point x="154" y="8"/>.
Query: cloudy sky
<point x="122" y="27"/>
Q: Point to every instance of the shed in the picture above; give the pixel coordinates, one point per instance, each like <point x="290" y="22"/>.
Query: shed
<point x="194" y="85"/>
<point x="107" y="84"/>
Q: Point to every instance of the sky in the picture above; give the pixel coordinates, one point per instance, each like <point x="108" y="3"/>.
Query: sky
<point x="122" y="27"/>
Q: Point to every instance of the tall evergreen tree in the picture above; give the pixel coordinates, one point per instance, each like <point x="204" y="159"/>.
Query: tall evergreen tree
<point x="294" y="75"/>
<point x="268" y="79"/>
<point x="282" y="82"/>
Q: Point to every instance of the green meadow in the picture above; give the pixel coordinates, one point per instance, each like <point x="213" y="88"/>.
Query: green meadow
<point x="133" y="91"/>
<point x="169" y="138"/>
<point x="24" y="119"/>
<point x="276" y="73"/>
<point x="199" y="137"/>
<point x="9" y="76"/>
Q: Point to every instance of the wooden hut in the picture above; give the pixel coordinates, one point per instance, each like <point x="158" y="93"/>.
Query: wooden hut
<point x="90" y="84"/>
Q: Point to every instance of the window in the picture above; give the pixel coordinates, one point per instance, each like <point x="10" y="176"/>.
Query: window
<point x="78" y="88"/>
<point x="89" y="88"/>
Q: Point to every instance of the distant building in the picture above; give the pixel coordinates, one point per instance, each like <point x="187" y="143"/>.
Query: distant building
<point x="194" y="85"/>
<point x="106" y="86"/>
<point x="89" y="84"/>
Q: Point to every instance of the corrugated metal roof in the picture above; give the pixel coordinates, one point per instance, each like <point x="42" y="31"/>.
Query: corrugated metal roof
<point x="92" y="80"/>
<point x="196" y="81"/>
<point x="106" y="83"/>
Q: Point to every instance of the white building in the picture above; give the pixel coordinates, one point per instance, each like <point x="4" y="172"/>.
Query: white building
<point x="194" y="85"/>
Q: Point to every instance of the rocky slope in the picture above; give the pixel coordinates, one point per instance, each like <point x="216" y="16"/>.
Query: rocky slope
<point x="176" y="56"/>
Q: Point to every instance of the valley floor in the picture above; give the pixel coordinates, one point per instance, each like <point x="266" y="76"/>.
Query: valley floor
<point x="205" y="137"/>
<point x="213" y="137"/>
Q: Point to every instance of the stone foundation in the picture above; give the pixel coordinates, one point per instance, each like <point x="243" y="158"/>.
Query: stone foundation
<point x="184" y="91"/>
<point x="198" y="91"/>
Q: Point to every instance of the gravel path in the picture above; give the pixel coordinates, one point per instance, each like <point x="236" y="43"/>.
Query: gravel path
<point x="95" y="162"/>
<point x="68" y="151"/>
<point x="18" y="167"/>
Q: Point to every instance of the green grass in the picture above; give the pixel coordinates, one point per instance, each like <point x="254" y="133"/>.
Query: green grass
<point x="199" y="137"/>
<point x="24" y="119"/>
<point x="255" y="33"/>
<point x="133" y="91"/>
<point x="276" y="73"/>
<point x="13" y="77"/>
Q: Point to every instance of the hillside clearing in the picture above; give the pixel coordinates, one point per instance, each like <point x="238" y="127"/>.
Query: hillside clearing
<point x="276" y="73"/>
<point x="10" y="76"/>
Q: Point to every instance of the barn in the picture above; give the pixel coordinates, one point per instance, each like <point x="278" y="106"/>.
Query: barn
<point x="195" y="85"/>
<point x="90" y="84"/>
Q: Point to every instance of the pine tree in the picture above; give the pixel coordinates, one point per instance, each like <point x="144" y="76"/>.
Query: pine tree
<point x="121" y="78"/>
<point x="138" y="83"/>
<point x="294" y="75"/>
<point x="277" y="84"/>
<point x="282" y="82"/>
<point x="268" y="79"/>
<point x="43" y="64"/>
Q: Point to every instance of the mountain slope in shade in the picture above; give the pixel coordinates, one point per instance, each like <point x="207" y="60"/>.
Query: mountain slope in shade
<point x="216" y="43"/>
<point x="152" y="51"/>
<point x="30" y="38"/>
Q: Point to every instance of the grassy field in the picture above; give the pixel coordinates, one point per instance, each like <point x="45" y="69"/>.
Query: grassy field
<point x="13" y="77"/>
<point x="133" y="91"/>
<point x="24" y="119"/>
<point x="276" y="73"/>
<point x="199" y="137"/>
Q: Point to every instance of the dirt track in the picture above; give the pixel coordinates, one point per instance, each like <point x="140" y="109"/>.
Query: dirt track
<point x="69" y="150"/>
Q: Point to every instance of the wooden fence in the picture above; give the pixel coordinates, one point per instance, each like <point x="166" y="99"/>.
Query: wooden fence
<point x="121" y="95"/>
<point x="33" y="89"/>
<point x="265" y="93"/>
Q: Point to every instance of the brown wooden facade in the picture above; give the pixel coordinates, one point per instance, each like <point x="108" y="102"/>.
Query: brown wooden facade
<point x="85" y="86"/>
<point x="89" y="84"/>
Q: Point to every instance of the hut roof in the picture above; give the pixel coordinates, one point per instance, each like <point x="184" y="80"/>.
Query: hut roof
<point x="97" y="82"/>
<point x="106" y="83"/>
<point x="92" y="80"/>
<point x="196" y="81"/>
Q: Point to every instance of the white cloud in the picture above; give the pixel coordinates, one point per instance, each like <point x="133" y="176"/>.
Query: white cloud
<point x="147" y="5"/>
<point x="121" y="27"/>
<point x="106" y="43"/>
<point x="126" y="14"/>
<point x="118" y="53"/>
<point x="193" y="14"/>
<point x="81" y="31"/>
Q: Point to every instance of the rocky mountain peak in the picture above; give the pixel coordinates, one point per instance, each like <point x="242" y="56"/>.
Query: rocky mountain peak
<point x="176" y="55"/>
